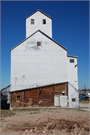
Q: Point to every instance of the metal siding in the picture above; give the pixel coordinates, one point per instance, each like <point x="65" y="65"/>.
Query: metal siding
<point x="31" y="67"/>
<point x="73" y="83"/>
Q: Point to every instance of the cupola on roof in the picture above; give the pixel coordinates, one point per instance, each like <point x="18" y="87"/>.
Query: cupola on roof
<point x="39" y="21"/>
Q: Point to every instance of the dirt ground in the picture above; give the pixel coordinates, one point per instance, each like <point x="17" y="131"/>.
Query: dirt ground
<point x="45" y="121"/>
<point x="85" y="105"/>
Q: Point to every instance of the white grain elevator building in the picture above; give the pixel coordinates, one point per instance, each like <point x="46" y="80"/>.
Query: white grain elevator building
<point x="40" y="61"/>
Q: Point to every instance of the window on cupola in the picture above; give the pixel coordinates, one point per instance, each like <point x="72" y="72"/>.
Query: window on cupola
<point x="44" y="21"/>
<point x="32" y="21"/>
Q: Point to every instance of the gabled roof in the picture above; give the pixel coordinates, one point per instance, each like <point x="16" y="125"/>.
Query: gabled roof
<point x="72" y="56"/>
<point x="44" y="35"/>
<point x="38" y="87"/>
<point x="39" y="11"/>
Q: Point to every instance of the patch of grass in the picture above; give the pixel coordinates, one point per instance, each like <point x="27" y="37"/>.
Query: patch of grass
<point x="83" y="101"/>
<point x="7" y="113"/>
<point x="81" y="110"/>
<point x="72" y="109"/>
<point x="26" y="109"/>
<point x="37" y="112"/>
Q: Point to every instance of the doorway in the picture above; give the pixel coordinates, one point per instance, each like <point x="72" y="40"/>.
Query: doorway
<point x="31" y="101"/>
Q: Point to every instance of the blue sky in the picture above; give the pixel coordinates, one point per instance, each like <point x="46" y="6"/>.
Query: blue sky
<point x="70" y="28"/>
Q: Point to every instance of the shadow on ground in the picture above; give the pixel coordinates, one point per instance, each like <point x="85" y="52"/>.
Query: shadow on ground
<point x="4" y="105"/>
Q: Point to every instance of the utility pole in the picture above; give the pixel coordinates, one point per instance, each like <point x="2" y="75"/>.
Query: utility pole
<point x="85" y="89"/>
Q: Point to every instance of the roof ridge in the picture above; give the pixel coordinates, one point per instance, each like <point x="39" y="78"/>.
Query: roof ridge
<point x="36" y="87"/>
<point x="72" y="56"/>
<point x="23" y="40"/>
<point x="52" y="40"/>
<point x="43" y="34"/>
<point x="39" y="11"/>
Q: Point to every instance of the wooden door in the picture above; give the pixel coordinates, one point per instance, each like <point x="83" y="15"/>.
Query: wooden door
<point x="31" y="101"/>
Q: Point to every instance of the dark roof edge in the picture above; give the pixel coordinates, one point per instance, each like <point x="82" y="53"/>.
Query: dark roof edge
<point x="39" y="11"/>
<point x="53" y="40"/>
<point x="38" y="87"/>
<point x="72" y="56"/>
<point x="5" y="87"/>
<point x="23" y="40"/>
<point x="43" y="34"/>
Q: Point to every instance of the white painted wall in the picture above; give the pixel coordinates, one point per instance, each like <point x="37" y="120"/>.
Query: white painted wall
<point x="73" y="94"/>
<point x="73" y="83"/>
<point x="38" y="25"/>
<point x="33" y="66"/>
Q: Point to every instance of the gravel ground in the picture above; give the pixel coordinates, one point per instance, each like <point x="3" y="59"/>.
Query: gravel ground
<point x="56" y="121"/>
<point x="85" y="106"/>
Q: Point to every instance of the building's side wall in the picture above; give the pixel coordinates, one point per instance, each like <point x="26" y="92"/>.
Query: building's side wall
<point x="43" y="96"/>
<point x="38" y="25"/>
<point x="73" y="83"/>
<point x="33" y="66"/>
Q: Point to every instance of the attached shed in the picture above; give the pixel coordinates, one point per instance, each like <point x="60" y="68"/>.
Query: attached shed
<point x="41" y="96"/>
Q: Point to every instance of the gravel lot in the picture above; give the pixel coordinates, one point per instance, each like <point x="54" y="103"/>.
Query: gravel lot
<point x="43" y="121"/>
<point x="85" y="106"/>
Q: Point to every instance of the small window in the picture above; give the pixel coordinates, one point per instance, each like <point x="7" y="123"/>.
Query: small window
<point x="32" y="21"/>
<point x="73" y="99"/>
<point x="44" y="21"/>
<point x="18" y="97"/>
<point x="71" y="60"/>
<point x="38" y="43"/>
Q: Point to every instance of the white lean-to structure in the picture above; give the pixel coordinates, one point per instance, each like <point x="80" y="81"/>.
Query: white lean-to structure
<point x="39" y="60"/>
